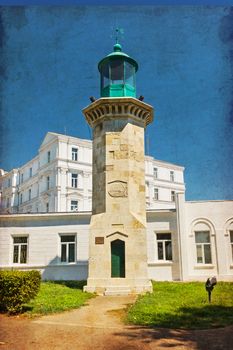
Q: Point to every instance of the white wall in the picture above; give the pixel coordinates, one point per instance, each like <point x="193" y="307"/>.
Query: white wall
<point x="44" y="247"/>
<point x="162" y="222"/>
<point x="44" y="241"/>
<point x="216" y="217"/>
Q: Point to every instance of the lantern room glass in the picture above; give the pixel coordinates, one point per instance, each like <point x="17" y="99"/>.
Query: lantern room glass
<point x="129" y="74"/>
<point x="117" y="72"/>
<point x="105" y="72"/>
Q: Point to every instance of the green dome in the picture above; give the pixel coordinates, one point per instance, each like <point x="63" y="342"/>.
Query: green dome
<point x="117" y="47"/>
<point x="117" y="53"/>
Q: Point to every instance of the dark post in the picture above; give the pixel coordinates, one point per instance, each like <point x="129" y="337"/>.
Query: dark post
<point x="209" y="286"/>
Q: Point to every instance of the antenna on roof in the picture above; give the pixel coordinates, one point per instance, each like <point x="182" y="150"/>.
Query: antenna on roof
<point x="65" y="130"/>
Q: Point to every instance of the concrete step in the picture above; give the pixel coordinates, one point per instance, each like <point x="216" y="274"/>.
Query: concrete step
<point x="117" y="290"/>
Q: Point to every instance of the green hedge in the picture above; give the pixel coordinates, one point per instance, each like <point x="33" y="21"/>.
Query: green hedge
<point x="17" y="288"/>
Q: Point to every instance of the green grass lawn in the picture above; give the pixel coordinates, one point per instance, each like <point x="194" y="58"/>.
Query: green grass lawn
<point x="184" y="305"/>
<point x="56" y="297"/>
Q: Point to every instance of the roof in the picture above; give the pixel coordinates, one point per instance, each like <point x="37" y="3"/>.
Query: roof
<point x="118" y="53"/>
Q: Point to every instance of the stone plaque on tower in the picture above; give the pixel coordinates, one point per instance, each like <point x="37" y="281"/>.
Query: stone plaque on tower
<point x="117" y="241"/>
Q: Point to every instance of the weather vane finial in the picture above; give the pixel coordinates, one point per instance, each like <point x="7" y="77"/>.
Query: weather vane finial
<point x="119" y="32"/>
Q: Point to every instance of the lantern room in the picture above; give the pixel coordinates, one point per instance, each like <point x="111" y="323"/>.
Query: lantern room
<point x="117" y="71"/>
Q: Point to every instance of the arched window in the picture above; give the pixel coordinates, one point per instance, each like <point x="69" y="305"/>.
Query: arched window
<point x="203" y="247"/>
<point x="229" y="236"/>
<point x="202" y="231"/>
<point x="231" y="243"/>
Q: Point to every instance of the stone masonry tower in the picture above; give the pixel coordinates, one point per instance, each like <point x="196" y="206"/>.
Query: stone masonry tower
<point x="118" y="244"/>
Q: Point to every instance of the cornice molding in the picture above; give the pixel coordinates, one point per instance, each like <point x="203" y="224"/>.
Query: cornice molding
<point x="118" y="108"/>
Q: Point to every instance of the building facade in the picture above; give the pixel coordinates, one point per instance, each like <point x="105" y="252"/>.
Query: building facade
<point x="189" y="243"/>
<point x="59" y="179"/>
<point x="185" y="240"/>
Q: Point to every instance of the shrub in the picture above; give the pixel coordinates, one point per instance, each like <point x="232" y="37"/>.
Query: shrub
<point x="17" y="288"/>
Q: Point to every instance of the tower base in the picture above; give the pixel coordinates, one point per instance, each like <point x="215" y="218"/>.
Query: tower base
<point x="118" y="286"/>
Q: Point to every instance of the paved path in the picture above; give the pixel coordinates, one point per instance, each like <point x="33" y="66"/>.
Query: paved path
<point x="99" y="313"/>
<point x="98" y="326"/>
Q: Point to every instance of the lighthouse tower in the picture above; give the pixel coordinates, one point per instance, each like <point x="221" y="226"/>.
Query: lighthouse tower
<point x="118" y="242"/>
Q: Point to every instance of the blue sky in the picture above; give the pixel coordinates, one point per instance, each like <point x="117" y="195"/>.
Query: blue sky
<point x="49" y="69"/>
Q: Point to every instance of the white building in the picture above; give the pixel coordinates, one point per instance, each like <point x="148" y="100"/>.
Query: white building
<point x="59" y="179"/>
<point x="192" y="242"/>
<point x="46" y="210"/>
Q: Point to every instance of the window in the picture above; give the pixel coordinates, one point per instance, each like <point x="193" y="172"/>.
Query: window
<point x="231" y="242"/>
<point x="47" y="207"/>
<point x="74" y="180"/>
<point x="48" y="156"/>
<point x="29" y="194"/>
<point x="47" y="182"/>
<point x="117" y="71"/>
<point x="74" y="154"/>
<point x="172" y="177"/>
<point x="105" y="71"/>
<point x="74" y="206"/>
<point x="68" y="248"/>
<point x="147" y="189"/>
<point x="8" y="202"/>
<point x="9" y="183"/>
<point x="173" y="196"/>
<point x="155" y="172"/>
<point x="20" y="245"/>
<point x="30" y="172"/>
<point x="164" y="246"/>
<point x="129" y="74"/>
<point x="156" y="193"/>
<point x="203" y="248"/>
<point x="21" y="178"/>
<point x="21" y="198"/>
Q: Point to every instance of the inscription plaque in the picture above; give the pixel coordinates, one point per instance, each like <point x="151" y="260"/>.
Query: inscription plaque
<point x="99" y="240"/>
<point x="117" y="189"/>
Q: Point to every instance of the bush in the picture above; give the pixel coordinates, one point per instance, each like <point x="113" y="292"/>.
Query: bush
<point x="17" y="288"/>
